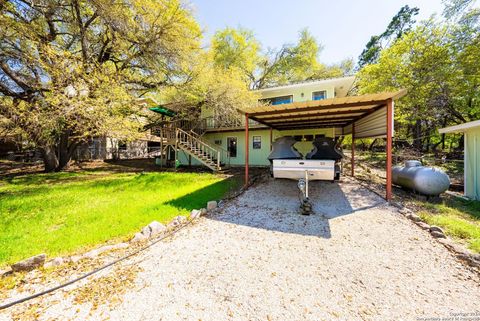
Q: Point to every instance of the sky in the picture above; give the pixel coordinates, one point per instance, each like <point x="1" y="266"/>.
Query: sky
<point x="343" y="27"/>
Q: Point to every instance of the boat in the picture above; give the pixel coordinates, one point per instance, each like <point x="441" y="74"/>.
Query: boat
<point x="322" y="163"/>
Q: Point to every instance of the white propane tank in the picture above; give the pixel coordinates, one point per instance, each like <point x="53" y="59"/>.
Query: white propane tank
<point x="428" y="181"/>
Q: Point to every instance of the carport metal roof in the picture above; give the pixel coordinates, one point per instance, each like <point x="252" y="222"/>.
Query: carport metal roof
<point x="361" y="116"/>
<point x="333" y="112"/>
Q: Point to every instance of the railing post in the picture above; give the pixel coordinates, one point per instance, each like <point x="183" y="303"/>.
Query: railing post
<point x="177" y="134"/>
<point x="218" y="160"/>
<point x="161" y="148"/>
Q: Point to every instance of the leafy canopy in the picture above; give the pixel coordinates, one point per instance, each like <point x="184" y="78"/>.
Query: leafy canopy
<point x="70" y="69"/>
<point x="400" y="24"/>
<point x="238" y="49"/>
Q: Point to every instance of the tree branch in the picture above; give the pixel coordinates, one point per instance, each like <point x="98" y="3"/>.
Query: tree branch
<point x="16" y="78"/>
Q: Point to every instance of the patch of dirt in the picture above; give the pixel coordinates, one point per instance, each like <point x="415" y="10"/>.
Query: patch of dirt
<point x="108" y="289"/>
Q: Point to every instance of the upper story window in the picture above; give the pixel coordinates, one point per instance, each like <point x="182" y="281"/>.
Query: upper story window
<point x="319" y="95"/>
<point x="279" y="100"/>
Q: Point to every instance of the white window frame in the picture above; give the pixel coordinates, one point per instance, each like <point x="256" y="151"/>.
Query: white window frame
<point x="319" y="91"/>
<point x="253" y="141"/>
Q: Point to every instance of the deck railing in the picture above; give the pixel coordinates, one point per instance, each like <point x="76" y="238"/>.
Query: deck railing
<point x="213" y="123"/>
<point x="170" y="132"/>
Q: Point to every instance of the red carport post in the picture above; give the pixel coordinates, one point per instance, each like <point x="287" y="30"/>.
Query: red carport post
<point x="353" y="149"/>
<point x="246" y="149"/>
<point x="271" y="138"/>
<point x="389" y="148"/>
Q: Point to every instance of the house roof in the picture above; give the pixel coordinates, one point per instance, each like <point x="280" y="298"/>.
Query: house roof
<point x="459" y="128"/>
<point x="306" y="83"/>
<point x="333" y="112"/>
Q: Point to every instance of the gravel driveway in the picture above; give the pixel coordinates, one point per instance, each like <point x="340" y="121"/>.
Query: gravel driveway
<point x="256" y="259"/>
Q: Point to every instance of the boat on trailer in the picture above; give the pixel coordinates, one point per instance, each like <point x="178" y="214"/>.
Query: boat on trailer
<point x="321" y="163"/>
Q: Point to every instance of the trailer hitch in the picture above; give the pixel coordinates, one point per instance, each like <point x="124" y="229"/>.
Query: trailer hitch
<point x="305" y="204"/>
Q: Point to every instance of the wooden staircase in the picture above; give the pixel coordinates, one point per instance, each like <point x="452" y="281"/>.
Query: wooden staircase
<point x="194" y="146"/>
<point x="186" y="136"/>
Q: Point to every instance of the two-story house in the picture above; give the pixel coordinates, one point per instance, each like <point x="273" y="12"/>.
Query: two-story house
<point x="230" y="137"/>
<point x="303" y="110"/>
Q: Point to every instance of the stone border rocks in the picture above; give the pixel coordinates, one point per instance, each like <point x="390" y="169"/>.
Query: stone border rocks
<point x="29" y="264"/>
<point x="92" y="254"/>
<point x="211" y="205"/>
<point x="148" y="232"/>
<point x="437" y="233"/>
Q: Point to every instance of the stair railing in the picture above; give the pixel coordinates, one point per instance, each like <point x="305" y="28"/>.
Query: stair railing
<point x="198" y="146"/>
<point x="224" y="155"/>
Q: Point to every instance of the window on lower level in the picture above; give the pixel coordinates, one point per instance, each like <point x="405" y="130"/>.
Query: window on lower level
<point x="319" y="95"/>
<point x="257" y="142"/>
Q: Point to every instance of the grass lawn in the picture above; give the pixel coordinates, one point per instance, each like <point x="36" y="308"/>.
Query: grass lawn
<point x="459" y="218"/>
<point x="62" y="213"/>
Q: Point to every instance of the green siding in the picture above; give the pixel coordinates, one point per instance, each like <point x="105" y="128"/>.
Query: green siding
<point x="259" y="157"/>
<point x="472" y="163"/>
<point x="303" y="93"/>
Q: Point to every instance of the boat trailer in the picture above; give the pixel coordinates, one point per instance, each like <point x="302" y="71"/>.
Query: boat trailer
<point x="305" y="204"/>
<point x="322" y="163"/>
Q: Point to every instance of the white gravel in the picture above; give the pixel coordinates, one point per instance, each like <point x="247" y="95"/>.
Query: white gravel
<point x="257" y="259"/>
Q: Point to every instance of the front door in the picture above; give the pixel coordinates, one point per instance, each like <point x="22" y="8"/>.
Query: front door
<point x="232" y="146"/>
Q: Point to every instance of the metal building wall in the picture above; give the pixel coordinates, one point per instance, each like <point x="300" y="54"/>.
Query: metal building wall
<point x="371" y="126"/>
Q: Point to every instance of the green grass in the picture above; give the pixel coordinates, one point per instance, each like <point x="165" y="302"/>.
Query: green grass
<point x="459" y="218"/>
<point x="63" y="213"/>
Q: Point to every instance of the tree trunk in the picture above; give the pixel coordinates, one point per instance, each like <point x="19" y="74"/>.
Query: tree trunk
<point x="56" y="158"/>
<point x="49" y="158"/>
<point x="65" y="149"/>
<point x="435" y="146"/>
<point x="427" y="141"/>
<point x="417" y="143"/>
<point x="62" y="152"/>
<point x="370" y="148"/>
<point x="444" y="123"/>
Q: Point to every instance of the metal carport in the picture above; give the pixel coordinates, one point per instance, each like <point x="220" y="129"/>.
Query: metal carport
<point x="364" y="116"/>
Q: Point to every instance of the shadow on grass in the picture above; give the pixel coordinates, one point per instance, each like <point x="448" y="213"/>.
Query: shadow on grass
<point x="43" y="178"/>
<point x="31" y="185"/>
<point x="11" y="170"/>
<point x="469" y="207"/>
<point x="161" y="196"/>
<point x="199" y="198"/>
<point x="35" y="184"/>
